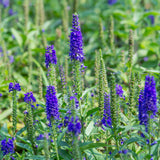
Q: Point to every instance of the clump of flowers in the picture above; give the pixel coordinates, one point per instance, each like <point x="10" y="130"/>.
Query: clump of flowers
<point x="107" y="120"/>
<point x="75" y="100"/>
<point x="29" y="98"/>
<point x="119" y="91"/>
<point x="147" y="101"/>
<point x="50" y="56"/>
<point x="7" y="146"/>
<point x="62" y="75"/>
<point x="52" y="110"/>
<point x="152" y="19"/>
<point x="15" y="86"/>
<point x="5" y="3"/>
<point x="74" y="126"/>
<point x="111" y="2"/>
<point x="76" y="42"/>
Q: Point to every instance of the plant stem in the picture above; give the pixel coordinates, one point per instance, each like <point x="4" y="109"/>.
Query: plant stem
<point x="54" y="134"/>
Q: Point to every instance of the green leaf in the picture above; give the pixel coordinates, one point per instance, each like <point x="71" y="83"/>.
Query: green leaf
<point x="92" y="145"/>
<point x="21" y="131"/>
<point x="35" y="157"/>
<point x="89" y="128"/>
<point x="43" y="73"/>
<point x="17" y="36"/>
<point x="5" y="114"/>
<point x="64" y="154"/>
<point x="61" y="135"/>
<point x="92" y="111"/>
<point x="24" y="146"/>
<point x="88" y="90"/>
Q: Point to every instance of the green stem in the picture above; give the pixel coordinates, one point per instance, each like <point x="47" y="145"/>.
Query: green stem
<point x="77" y="155"/>
<point x="106" y="146"/>
<point x="158" y="155"/>
<point x="14" y="114"/>
<point x="54" y="138"/>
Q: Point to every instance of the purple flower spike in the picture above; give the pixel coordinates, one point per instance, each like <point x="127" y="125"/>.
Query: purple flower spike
<point x="107" y="121"/>
<point x="50" y="55"/>
<point x="111" y="2"/>
<point x="152" y="18"/>
<point x="52" y="110"/>
<point x="119" y="91"/>
<point x="5" y="3"/>
<point x="76" y="42"/>
<point x="147" y="101"/>
<point x="15" y="86"/>
<point x="7" y="146"/>
<point x="74" y="126"/>
<point x="29" y="98"/>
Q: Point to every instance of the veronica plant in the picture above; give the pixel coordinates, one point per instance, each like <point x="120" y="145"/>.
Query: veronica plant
<point x="52" y="112"/>
<point x="51" y="61"/>
<point x="30" y="100"/>
<point x="76" y="55"/>
<point x="111" y="2"/>
<point x="7" y="147"/>
<point x="14" y="87"/>
<point x="148" y="105"/>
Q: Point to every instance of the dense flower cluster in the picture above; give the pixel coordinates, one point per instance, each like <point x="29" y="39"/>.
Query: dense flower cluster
<point x="111" y="2"/>
<point x="7" y="146"/>
<point x="74" y="126"/>
<point x="29" y="98"/>
<point x="15" y="86"/>
<point x="76" y="101"/>
<point x="151" y="17"/>
<point x="107" y="121"/>
<point x="11" y="12"/>
<point x="5" y="3"/>
<point x="147" y="101"/>
<point x="76" y="42"/>
<point x="119" y="90"/>
<point x="66" y="118"/>
<point x="52" y="110"/>
<point x="50" y="55"/>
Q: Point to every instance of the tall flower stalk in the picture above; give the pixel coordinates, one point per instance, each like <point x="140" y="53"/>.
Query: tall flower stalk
<point x="52" y="112"/>
<point x="14" y="88"/>
<point x="148" y="105"/>
<point x="51" y="61"/>
<point x="30" y="100"/>
<point x="131" y="75"/>
<point x="76" y="54"/>
<point x="26" y="13"/>
<point x="111" y="35"/>
<point x="101" y="87"/>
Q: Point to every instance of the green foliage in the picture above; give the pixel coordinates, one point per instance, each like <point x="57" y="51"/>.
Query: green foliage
<point x="25" y="35"/>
